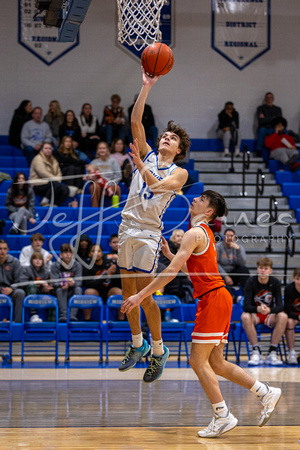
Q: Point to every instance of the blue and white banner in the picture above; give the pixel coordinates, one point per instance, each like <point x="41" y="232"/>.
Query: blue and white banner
<point x="38" y="38"/>
<point x="241" y="30"/>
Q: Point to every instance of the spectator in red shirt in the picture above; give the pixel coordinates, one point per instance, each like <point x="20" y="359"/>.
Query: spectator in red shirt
<point x="282" y="146"/>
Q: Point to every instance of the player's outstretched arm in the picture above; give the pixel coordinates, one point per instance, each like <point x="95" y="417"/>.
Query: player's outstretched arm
<point x="137" y="128"/>
<point x="193" y="240"/>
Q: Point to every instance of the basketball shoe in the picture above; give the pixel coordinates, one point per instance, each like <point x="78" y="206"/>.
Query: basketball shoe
<point x="133" y="355"/>
<point x="219" y="425"/>
<point x="292" y="358"/>
<point x="256" y="358"/>
<point x="156" y="366"/>
<point x="269" y="402"/>
<point x="272" y="359"/>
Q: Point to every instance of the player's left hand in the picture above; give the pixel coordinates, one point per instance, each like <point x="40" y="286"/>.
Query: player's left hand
<point x="135" y="153"/>
<point x="131" y="303"/>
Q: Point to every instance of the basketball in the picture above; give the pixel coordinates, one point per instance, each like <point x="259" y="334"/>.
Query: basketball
<point x="157" y="59"/>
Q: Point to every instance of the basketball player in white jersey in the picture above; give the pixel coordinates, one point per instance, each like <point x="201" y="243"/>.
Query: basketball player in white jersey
<point x="156" y="181"/>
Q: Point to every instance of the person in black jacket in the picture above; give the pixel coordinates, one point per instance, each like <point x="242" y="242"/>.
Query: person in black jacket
<point x="228" y="128"/>
<point x="69" y="163"/>
<point x="20" y="201"/>
<point x="263" y="304"/>
<point x="265" y="114"/>
<point x="292" y="308"/>
<point x="98" y="281"/>
<point x="21" y="115"/>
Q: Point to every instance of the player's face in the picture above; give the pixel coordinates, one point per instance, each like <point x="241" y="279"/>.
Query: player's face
<point x="264" y="271"/>
<point x="200" y="205"/>
<point x="169" y="141"/>
<point x="297" y="283"/>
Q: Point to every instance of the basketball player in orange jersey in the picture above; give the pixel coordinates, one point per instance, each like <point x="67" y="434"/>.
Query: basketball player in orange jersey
<point x="198" y="257"/>
<point x="155" y="182"/>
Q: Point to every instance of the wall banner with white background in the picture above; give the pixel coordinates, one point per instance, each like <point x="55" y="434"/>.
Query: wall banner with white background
<point x="39" y="39"/>
<point x="241" y="30"/>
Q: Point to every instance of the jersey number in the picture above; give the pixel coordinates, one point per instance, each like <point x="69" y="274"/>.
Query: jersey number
<point x="146" y="192"/>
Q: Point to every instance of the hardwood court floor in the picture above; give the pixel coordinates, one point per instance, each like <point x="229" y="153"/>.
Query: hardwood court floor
<point x="101" y="408"/>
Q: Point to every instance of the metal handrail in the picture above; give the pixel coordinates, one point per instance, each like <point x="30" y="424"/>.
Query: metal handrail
<point x="246" y="166"/>
<point x="272" y="219"/>
<point x="259" y="189"/>
<point x="290" y="236"/>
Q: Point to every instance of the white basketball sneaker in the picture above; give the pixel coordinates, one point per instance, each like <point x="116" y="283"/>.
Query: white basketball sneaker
<point x="269" y="402"/>
<point x="256" y="358"/>
<point x="292" y="358"/>
<point x="219" y="425"/>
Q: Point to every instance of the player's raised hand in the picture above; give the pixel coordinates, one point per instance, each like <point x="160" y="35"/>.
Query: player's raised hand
<point x="131" y="303"/>
<point x="148" y="81"/>
<point x="135" y="152"/>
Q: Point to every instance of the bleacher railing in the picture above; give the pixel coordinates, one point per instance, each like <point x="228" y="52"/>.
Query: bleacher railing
<point x="273" y="209"/>
<point x="260" y="185"/>
<point x="246" y="166"/>
<point x="289" y="250"/>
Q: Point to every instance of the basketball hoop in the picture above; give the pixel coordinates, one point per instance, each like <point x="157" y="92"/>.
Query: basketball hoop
<point x="138" y="22"/>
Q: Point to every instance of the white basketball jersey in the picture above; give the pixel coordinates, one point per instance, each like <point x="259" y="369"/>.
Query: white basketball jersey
<point x="144" y="209"/>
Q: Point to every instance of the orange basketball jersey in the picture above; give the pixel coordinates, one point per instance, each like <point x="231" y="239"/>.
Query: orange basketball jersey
<point x="203" y="267"/>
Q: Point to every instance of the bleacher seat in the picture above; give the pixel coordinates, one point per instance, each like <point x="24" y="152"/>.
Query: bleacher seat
<point x="6" y="332"/>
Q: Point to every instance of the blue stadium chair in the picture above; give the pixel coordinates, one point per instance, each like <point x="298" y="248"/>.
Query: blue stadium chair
<point x="116" y="330"/>
<point x="6" y="327"/>
<point x="178" y="326"/>
<point x="85" y="331"/>
<point x="44" y="331"/>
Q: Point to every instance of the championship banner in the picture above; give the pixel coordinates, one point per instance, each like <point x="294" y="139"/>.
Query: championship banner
<point x="241" y="30"/>
<point x="39" y="39"/>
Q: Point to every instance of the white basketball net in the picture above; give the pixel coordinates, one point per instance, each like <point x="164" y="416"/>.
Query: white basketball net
<point x="138" y="22"/>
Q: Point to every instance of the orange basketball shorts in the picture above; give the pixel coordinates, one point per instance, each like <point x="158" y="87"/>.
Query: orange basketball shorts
<point x="213" y="317"/>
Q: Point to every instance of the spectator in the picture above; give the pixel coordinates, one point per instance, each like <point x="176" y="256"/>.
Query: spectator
<point x="263" y="304"/>
<point x="112" y="255"/>
<point x="10" y="272"/>
<point x="90" y="130"/>
<point x="105" y="173"/>
<point x="98" y="281"/>
<point x="265" y="114"/>
<point x="228" y="128"/>
<point x="70" y="127"/>
<point x="232" y="261"/>
<point x="118" y="152"/>
<point x="21" y="115"/>
<point x="19" y="202"/>
<point x="34" y="133"/>
<point x="181" y="285"/>
<point x="84" y="247"/>
<point x="67" y="278"/>
<point x="54" y="118"/>
<point x="37" y="278"/>
<point x="114" y="120"/>
<point x="70" y="164"/>
<point x="292" y="308"/>
<point x="46" y="175"/>
<point x="282" y="146"/>
<point x="37" y="240"/>
<point x="147" y="121"/>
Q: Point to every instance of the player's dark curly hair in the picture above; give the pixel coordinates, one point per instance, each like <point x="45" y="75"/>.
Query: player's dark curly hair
<point x="185" y="141"/>
<point x="217" y="202"/>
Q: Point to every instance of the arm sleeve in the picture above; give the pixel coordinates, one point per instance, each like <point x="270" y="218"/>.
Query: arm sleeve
<point x="221" y="269"/>
<point x="17" y="269"/>
<point x="249" y="304"/>
<point x="241" y="256"/>
<point x="55" y="274"/>
<point x="288" y="301"/>
<point x="26" y="137"/>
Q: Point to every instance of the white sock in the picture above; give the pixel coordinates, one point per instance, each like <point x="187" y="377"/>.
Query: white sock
<point x="259" y="389"/>
<point x="226" y="150"/>
<point x="158" y="348"/>
<point x="220" y="409"/>
<point x="137" y="340"/>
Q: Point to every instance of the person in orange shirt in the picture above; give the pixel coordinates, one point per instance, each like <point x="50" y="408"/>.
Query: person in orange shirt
<point x="198" y="257"/>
